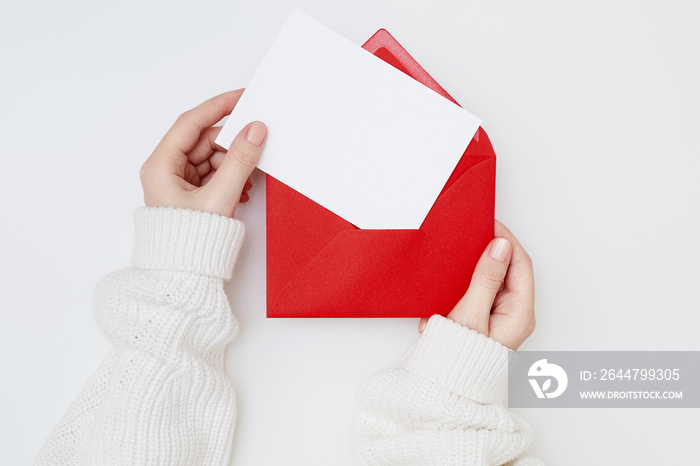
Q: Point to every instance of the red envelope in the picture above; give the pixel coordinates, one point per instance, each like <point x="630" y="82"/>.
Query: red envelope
<point x="320" y="265"/>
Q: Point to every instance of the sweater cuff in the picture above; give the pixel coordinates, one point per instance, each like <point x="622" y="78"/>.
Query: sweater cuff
<point x="461" y="360"/>
<point x="173" y="238"/>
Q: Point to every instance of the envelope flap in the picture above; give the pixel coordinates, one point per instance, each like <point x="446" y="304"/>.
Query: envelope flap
<point x="478" y="150"/>
<point x="463" y="215"/>
<point x="295" y="215"/>
<point x="383" y="45"/>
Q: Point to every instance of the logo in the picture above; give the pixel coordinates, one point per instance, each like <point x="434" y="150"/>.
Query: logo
<point x="542" y="369"/>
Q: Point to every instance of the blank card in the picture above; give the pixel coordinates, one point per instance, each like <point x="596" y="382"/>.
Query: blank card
<point x="349" y="131"/>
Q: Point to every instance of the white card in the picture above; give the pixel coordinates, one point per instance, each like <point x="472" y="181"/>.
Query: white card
<point x="348" y="130"/>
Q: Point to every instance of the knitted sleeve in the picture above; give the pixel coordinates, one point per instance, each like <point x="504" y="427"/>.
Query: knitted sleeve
<point x="160" y="395"/>
<point x="443" y="405"/>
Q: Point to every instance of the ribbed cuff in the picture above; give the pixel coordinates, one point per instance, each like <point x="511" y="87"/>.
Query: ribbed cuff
<point x="460" y="359"/>
<point x="172" y="238"/>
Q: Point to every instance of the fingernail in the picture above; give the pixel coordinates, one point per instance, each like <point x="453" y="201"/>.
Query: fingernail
<point x="499" y="249"/>
<point x="421" y="325"/>
<point x="256" y="133"/>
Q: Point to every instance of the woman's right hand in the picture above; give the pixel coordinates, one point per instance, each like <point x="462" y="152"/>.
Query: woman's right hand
<point x="190" y="171"/>
<point x="500" y="301"/>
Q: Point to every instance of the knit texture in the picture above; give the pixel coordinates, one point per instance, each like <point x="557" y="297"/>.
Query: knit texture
<point x="443" y="405"/>
<point x="161" y="395"/>
<point x="171" y="238"/>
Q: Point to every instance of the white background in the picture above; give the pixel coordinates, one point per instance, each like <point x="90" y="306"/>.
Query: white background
<point x="593" y="109"/>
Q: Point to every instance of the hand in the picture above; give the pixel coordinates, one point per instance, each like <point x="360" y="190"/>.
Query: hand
<point x="498" y="304"/>
<point x="188" y="170"/>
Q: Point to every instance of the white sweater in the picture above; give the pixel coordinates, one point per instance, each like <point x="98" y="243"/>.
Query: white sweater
<point x="161" y="395"/>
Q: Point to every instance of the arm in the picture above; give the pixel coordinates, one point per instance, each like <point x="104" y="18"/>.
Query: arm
<point x="444" y="405"/>
<point x="161" y="395"/>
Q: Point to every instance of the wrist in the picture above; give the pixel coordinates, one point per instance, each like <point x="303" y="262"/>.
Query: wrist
<point x="461" y="360"/>
<point x="174" y="238"/>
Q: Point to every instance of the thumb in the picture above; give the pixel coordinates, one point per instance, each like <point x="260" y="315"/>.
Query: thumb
<point x="226" y="185"/>
<point x="474" y="309"/>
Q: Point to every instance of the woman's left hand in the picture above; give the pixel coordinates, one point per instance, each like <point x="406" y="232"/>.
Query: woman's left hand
<point x="500" y="301"/>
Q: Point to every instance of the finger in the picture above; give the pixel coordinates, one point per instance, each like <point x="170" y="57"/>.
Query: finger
<point x="205" y="179"/>
<point x="184" y="134"/>
<point x="203" y="168"/>
<point x="520" y="277"/>
<point x="211" y="164"/>
<point x="204" y="148"/>
<point x="191" y="175"/>
<point x="474" y="308"/>
<point x="216" y="159"/>
<point x="245" y="151"/>
<point x="421" y="325"/>
<point x="244" y="197"/>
